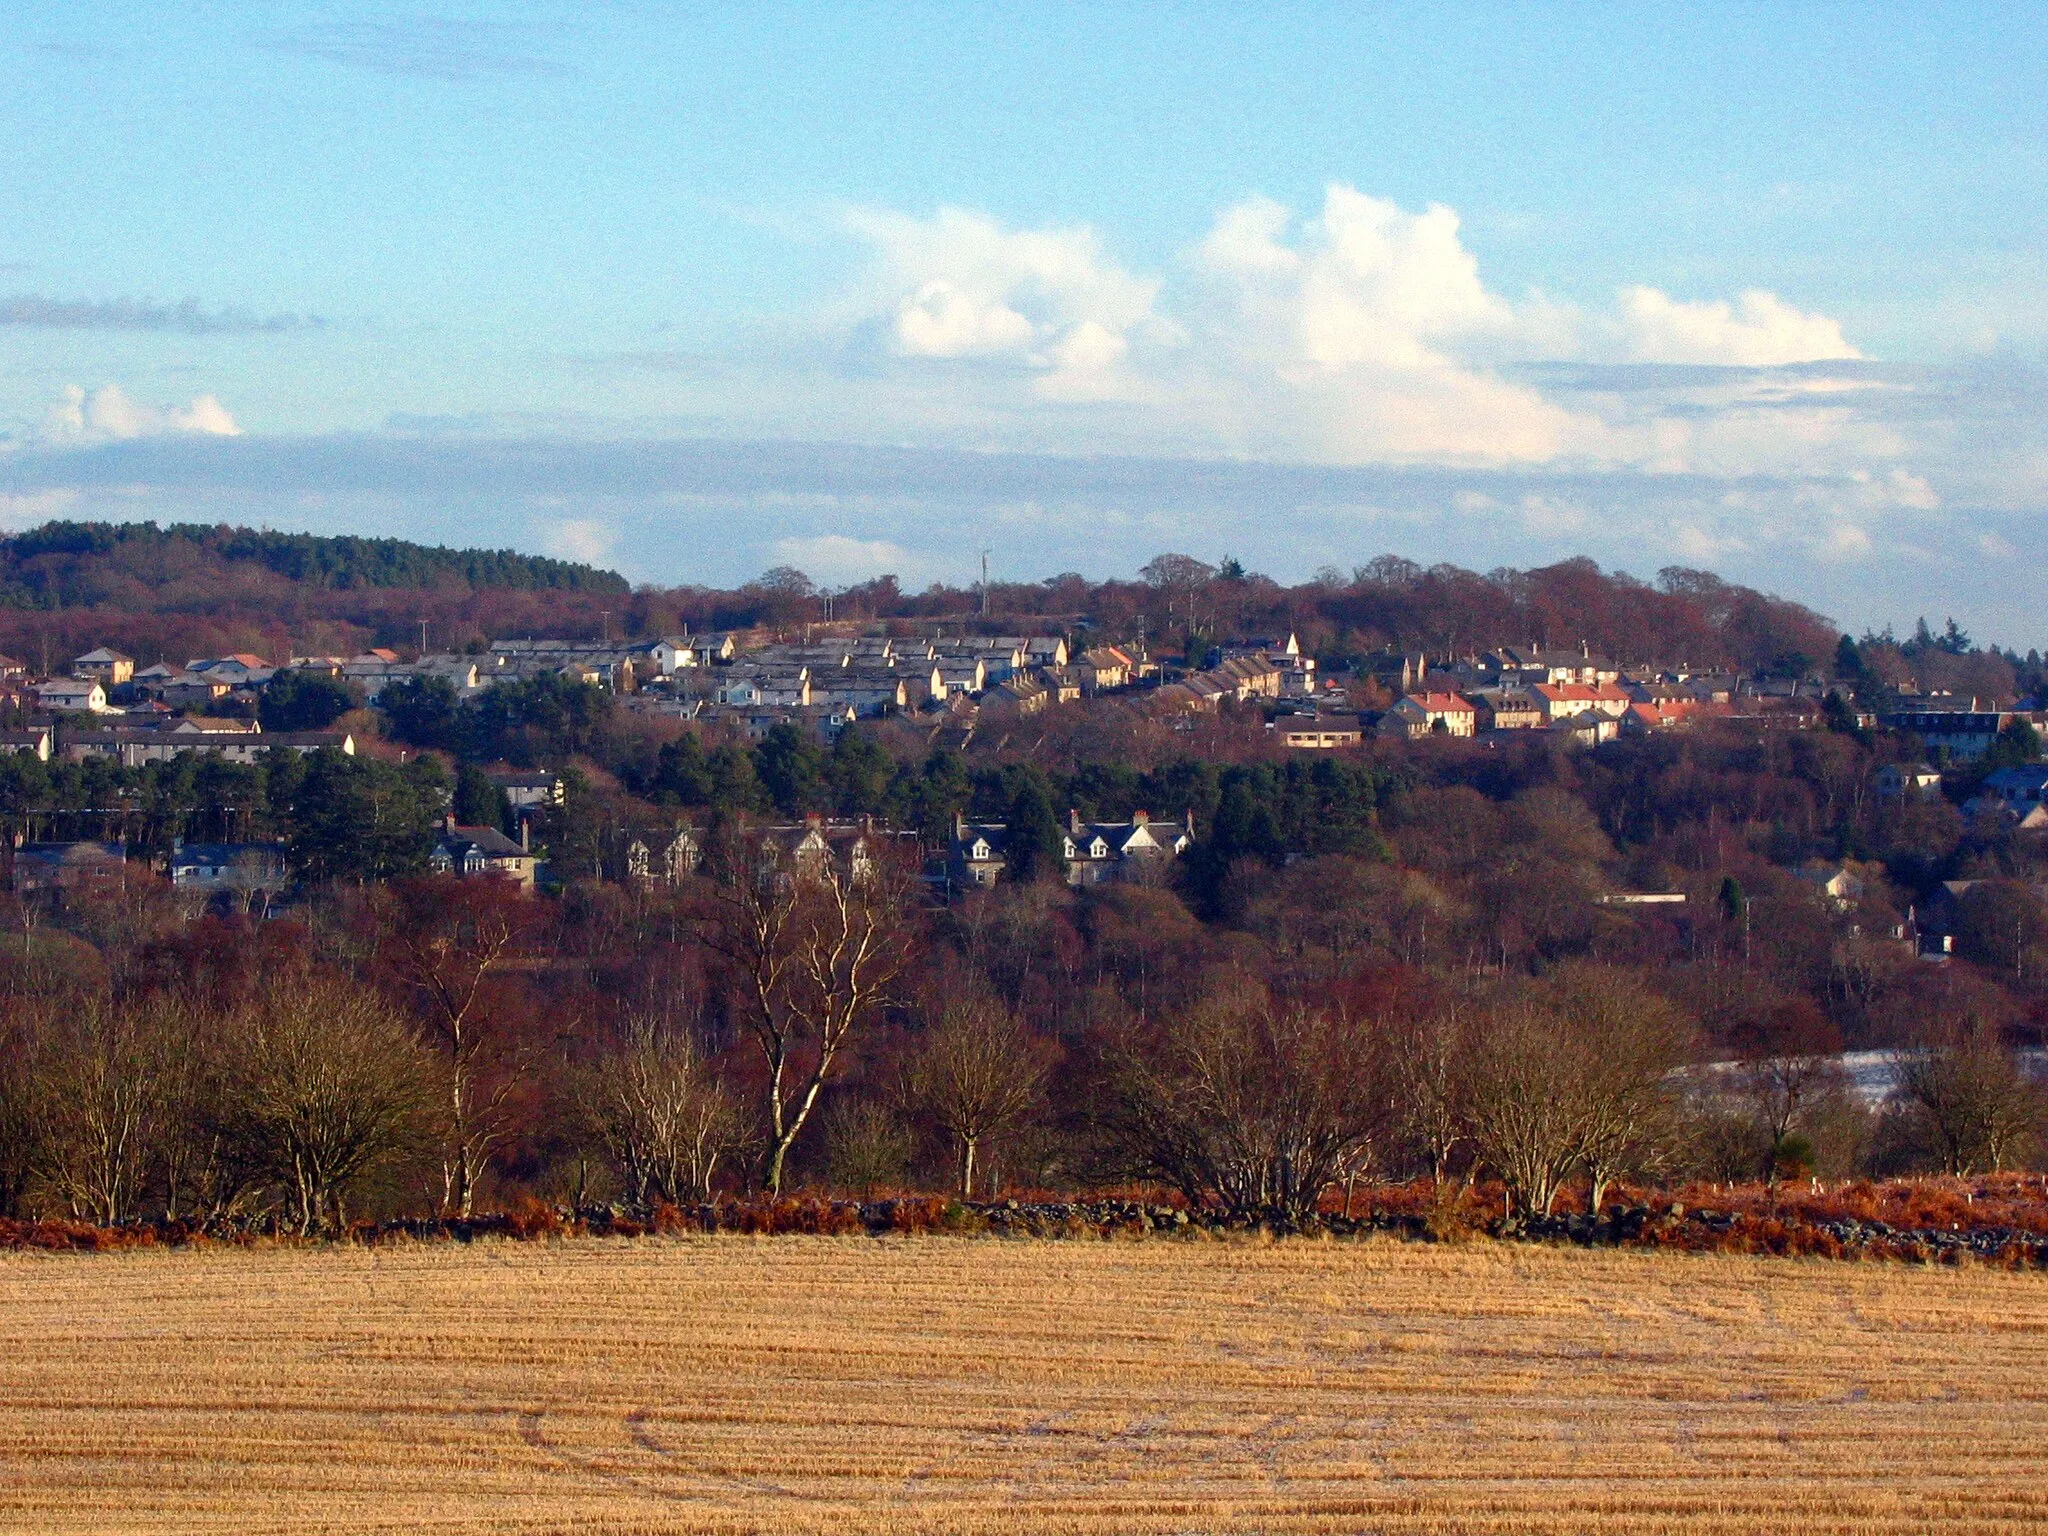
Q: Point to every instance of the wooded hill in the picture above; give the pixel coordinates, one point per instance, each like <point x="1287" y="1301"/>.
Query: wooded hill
<point x="188" y="590"/>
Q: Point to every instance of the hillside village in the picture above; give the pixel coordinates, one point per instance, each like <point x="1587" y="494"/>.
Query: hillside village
<point x="743" y="686"/>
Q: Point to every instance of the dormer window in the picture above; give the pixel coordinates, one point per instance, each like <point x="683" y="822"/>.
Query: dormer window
<point x="1067" y="846"/>
<point x="980" y="849"/>
<point x="1098" y="849"/>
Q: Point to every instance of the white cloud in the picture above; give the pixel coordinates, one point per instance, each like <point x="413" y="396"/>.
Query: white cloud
<point x="1352" y="337"/>
<point x="1844" y="541"/>
<point x="1758" y="330"/>
<point x="110" y="414"/>
<point x="835" y="559"/>
<point x="586" y="539"/>
<point x="959" y="285"/>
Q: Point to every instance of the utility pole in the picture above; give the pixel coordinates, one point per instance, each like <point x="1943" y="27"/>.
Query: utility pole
<point x="605" y="615"/>
<point x="423" y="637"/>
<point x="984" y="583"/>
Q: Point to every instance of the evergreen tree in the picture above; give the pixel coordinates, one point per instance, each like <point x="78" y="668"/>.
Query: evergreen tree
<point x="1034" y="848"/>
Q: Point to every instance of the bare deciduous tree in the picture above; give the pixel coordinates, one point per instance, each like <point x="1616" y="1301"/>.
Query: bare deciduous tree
<point x="1263" y="1107"/>
<point x="1974" y="1104"/>
<point x="978" y="1072"/>
<point x="445" y="941"/>
<point x="103" y="1108"/>
<point x="812" y="947"/>
<point x="661" y="1117"/>
<point x="331" y="1085"/>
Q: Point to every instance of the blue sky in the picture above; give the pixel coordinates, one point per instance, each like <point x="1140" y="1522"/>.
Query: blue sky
<point x="694" y="291"/>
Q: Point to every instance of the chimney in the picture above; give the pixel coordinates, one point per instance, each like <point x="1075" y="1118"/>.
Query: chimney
<point x="1141" y="818"/>
<point x="525" y="835"/>
<point x="448" y="823"/>
<point x="1073" y="822"/>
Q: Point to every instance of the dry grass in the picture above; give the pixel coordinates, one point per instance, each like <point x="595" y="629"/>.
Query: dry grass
<point x="825" y="1384"/>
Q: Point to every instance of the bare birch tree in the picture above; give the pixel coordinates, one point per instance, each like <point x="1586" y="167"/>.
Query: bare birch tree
<point x="812" y="949"/>
<point x="662" y="1118"/>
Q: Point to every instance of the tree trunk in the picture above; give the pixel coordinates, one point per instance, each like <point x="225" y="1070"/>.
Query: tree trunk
<point x="967" y="1144"/>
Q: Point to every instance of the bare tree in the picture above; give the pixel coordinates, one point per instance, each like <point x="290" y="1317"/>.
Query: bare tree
<point x="1427" y="1060"/>
<point x="1577" y="1072"/>
<point x="662" y="1118"/>
<point x="979" y="1073"/>
<point x="331" y="1085"/>
<point x="1263" y="1107"/>
<point x="103" y="1108"/>
<point x="445" y="941"/>
<point x="1972" y="1101"/>
<point x="21" y="1120"/>
<point x="1522" y="1100"/>
<point x="812" y="948"/>
<point x="1630" y="1044"/>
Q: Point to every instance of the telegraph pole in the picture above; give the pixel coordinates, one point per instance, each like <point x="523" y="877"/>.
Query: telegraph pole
<point x="423" y="637"/>
<point x="984" y="583"/>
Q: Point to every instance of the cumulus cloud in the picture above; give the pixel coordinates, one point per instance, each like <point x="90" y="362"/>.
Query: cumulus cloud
<point x="110" y="413"/>
<point x="958" y="285"/>
<point x="1758" y="330"/>
<point x="1364" y="332"/>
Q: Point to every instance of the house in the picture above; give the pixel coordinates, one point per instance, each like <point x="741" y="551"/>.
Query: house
<point x="1045" y="651"/>
<point x="241" y="877"/>
<point x="1510" y="709"/>
<point x="1096" y="852"/>
<point x="72" y="695"/>
<point x="1418" y="715"/>
<point x="1961" y="733"/>
<point x="188" y="690"/>
<point x="1022" y="694"/>
<point x="12" y="671"/>
<point x="1564" y="700"/>
<point x="527" y="790"/>
<point x="1319" y="732"/>
<point x="67" y="869"/>
<point x="673" y="653"/>
<point x="105" y="666"/>
<point x="1531" y="664"/>
<point x="35" y="741"/>
<point x="1649" y="718"/>
<point x="469" y="852"/>
<point x="2017" y="790"/>
<point x="958" y="674"/>
<point x="663" y="857"/>
<point x="1839" y="885"/>
<point x="1102" y="668"/>
<point x="241" y="670"/>
<point x="1908" y="781"/>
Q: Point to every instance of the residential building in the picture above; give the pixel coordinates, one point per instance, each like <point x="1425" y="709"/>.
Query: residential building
<point x="1901" y="781"/>
<point x="35" y="741"/>
<point x="469" y="852"/>
<point x="1102" y="668"/>
<point x="1419" y="715"/>
<point x="663" y="857"/>
<point x="1509" y="709"/>
<point x="527" y="790"/>
<point x="72" y="695"/>
<point x="1565" y="700"/>
<point x="1319" y="732"/>
<point x="1096" y="852"/>
<point x="105" y="666"/>
<point x="1960" y="733"/>
<point x="67" y="869"/>
<point x="240" y="877"/>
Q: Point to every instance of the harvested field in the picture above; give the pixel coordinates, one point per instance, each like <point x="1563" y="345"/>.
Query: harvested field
<point x="846" y="1384"/>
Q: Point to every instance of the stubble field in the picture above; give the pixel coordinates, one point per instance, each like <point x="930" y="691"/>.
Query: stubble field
<point x="800" y="1384"/>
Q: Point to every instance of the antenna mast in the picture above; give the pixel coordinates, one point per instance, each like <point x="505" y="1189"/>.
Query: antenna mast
<point x="984" y="583"/>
